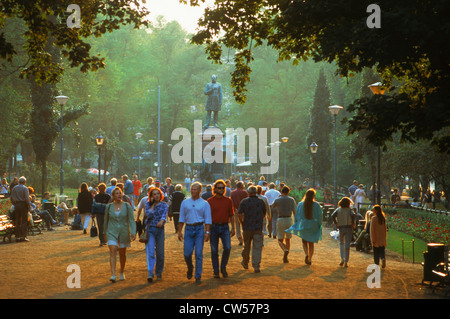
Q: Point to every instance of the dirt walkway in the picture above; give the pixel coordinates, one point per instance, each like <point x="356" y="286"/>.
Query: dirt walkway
<point x="38" y="269"/>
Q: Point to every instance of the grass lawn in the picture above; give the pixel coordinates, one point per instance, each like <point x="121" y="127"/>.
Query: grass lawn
<point x="395" y="244"/>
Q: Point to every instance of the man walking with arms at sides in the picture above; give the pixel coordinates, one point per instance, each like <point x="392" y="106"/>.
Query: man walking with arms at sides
<point x="195" y="212"/>
<point x="271" y="195"/>
<point x="222" y="212"/>
<point x="251" y="214"/>
<point x="20" y="197"/>
<point x="286" y="207"/>
<point x="128" y="189"/>
<point x="237" y="196"/>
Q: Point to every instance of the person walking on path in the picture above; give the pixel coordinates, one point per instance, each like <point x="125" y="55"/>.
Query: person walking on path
<point x="177" y="198"/>
<point x="308" y="223"/>
<point x="343" y="217"/>
<point x="271" y="195"/>
<point x="251" y="214"/>
<point x="285" y="205"/>
<point x="100" y="202"/>
<point x="237" y="196"/>
<point x="136" y="189"/>
<point x="259" y="194"/>
<point x="128" y="189"/>
<point x="222" y="212"/>
<point x="20" y="198"/>
<point x="359" y="196"/>
<point x="119" y="230"/>
<point x="155" y="218"/>
<point x="378" y="236"/>
<point x="195" y="212"/>
<point x="84" y="204"/>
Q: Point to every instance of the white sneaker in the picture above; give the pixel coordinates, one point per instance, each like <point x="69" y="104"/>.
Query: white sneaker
<point x="121" y="276"/>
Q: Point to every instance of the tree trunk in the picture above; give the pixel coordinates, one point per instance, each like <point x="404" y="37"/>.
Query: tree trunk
<point x="44" y="177"/>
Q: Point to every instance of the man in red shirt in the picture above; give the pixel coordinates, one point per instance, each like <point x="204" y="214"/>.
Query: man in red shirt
<point x="136" y="189"/>
<point x="222" y="213"/>
<point x="237" y="196"/>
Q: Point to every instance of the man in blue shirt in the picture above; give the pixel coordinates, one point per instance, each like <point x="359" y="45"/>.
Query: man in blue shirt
<point x="195" y="212"/>
<point x="251" y="215"/>
<point x="113" y="182"/>
<point x="128" y="188"/>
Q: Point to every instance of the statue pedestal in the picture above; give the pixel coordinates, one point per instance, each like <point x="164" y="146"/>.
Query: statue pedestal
<point x="211" y="170"/>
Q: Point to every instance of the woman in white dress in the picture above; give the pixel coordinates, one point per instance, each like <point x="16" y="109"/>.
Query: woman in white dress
<point x="358" y="196"/>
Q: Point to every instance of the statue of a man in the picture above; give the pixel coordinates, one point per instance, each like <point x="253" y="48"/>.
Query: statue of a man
<point x="214" y="101"/>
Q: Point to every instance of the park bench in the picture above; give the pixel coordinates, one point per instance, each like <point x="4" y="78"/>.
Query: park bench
<point x="6" y="227"/>
<point x="442" y="273"/>
<point x="35" y="224"/>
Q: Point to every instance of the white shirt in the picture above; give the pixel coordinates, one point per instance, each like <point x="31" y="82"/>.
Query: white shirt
<point x="271" y="195"/>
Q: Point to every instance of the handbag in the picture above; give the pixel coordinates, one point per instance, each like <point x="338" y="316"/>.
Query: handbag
<point x="144" y="237"/>
<point x="94" y="231"/>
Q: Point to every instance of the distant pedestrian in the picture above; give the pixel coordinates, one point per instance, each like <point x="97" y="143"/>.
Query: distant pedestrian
<point x="259" y="194"/>
<point x="174" y="210"/>
<point x="109" y="189"/>
<point x="101" y="200"/>
<point x="237" y="196"/>
<point x="119" y="229"/>
<point x="271" y="195"/>
<point x="128" y="188"/>
<point x="20" y="198"/>
<point x="378" y="236"/>
<point x="308" y="223"/>
<point x="358" y="196"/>
<point x="136" y="189"/>
<point x="155" y="219"/>
<point x="343" y="217"/>
<point x="222" y="213"/>
<point x="84" y="204"/>
<point x="285" y="205"/>
<point x="251" y="215"/>
<point x="195" y="212"/>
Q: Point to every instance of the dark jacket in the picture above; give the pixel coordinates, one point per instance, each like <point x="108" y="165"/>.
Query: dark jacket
<point x="84" y="202"/>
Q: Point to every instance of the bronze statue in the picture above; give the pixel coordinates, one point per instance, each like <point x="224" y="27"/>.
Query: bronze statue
<point x="214" y="101"/>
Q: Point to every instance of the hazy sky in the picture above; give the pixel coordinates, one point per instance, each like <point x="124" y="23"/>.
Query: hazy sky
<point x="186" y="15"/>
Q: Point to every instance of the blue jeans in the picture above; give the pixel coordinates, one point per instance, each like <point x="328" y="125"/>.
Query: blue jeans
<point x="222" y="232"/>
<point x="193" y="239"/>
<point x="155" y="251"/>
<point x="274" y="223"/>
<point x="345" y="237"/>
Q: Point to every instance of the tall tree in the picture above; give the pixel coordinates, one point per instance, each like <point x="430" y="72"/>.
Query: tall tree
<point x="320" y="128"/>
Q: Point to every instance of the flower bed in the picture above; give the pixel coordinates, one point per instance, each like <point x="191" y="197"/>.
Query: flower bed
<point x="5" y="205"/>
<point x="430" y="227"/>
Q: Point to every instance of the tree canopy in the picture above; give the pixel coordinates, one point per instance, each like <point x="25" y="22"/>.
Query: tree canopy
<point x="410" y="52"/>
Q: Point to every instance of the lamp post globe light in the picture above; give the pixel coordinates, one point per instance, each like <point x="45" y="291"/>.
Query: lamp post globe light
<point x="313" y="148"/>
<point x="285" y="139"/>
<point x="138" y="137"/>
<point x="334" y="110"/>
<point x="61" y="99"/>
<point x="99" y="140"/>
<point x="378" y="89"/>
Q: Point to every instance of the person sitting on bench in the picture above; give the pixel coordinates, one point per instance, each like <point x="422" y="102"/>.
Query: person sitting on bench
<point x="44" y="215"/>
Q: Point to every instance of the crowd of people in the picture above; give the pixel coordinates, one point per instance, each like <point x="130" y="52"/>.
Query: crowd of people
<point x="127" y="209"/>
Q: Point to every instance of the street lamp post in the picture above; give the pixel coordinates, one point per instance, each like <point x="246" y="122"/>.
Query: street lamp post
<point x="170" y="160"/>
<point x="62" y="99"/>
<point x="138" y="137"/>
<point x="285" y="139"/>
<point x="160" y="168"/>
<point x="378" y="89"/>
<point x="313" y="148"/>
<point x="151" y="142"/>
<point x="99" y="142"/>
<point x="334" y="110"/>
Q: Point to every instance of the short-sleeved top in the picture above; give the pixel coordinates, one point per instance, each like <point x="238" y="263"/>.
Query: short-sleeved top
<point x="221" y="209"/>
<point x="136" y="186"/>
<point x="254" y="210"/>
<point x="286" y="206"/>
<point x="271" y="195"/>
<point x="195" y="211"/>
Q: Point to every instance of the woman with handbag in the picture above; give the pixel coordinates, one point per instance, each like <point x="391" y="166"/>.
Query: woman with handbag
<point x="98" y="209"/>
<point x="119" y="230"/>
<point x="155" y="218"/>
